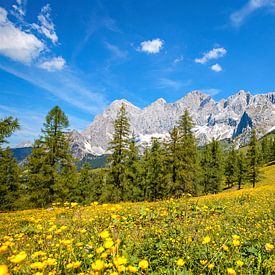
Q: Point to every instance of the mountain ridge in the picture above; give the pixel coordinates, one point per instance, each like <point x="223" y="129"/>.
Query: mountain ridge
<point x="227" y="118"/>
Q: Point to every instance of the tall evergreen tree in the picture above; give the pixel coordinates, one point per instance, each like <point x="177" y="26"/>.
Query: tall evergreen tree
<point x="133" y="172"/>
<point x="231" y="167"/>
<point x="241" y="169"/>
<point x="120" y="151"/>
<point x="9" y="170"/>
<point x="51" y="167"/>
<point x="155" y="175"/>
<point x="9" y="180"/>
<point x="253" y="159"/>
<point x="212" y="167"/>
<point x="188" y="168"/>
<point x="7" y="127"/>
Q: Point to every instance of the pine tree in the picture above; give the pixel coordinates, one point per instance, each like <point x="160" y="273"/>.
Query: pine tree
<point x="185" y="164"/>
<point x="9" y="170"/>
<point x="7" y="127"/>
<point x="120" y="149"/>
<point x="253" y="159"/>
<point x="9" y="180"/>
<point x="155" y="176"/>
<point x="51" y="167"/>
<point x="231" y="168"/>
<point x="212" y="167"/>
<point x="241" y="169"/>
<point x="133" y="172"/>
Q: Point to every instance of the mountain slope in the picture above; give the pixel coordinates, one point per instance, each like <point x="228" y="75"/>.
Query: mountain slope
<point x="225" y="119"/>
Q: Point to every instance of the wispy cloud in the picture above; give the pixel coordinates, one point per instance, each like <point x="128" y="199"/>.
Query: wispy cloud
<point x="216" y="68"/>
<point x="54" y="64"/>
<point x="168" y="83"/>
<point x="238" y="17"/>
<point x="45" y="24"/>
<point x="178" y="59"/>
<point x="65" y="85"/>
<point x="116" y="51"/>
<point x="215" y="53"/>
<point x="19" y="9"/>
<point x="151" y="46"/>
<point x="211" y="91"/>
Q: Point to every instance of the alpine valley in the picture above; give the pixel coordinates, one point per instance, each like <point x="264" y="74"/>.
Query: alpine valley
<point x="229" y="119"/>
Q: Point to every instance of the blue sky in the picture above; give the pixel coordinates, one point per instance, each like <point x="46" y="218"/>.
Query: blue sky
<point x="81" y="55"/>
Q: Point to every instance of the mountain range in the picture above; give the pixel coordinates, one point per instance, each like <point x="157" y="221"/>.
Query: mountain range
<point x="229" y="118"/>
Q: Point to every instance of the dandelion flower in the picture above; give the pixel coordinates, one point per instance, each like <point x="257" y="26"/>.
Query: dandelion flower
<point x="211" y="266"/>
<point x="18" y="258"/>
<point x="239" y="263"/>
<point x="269" y="247"/>
<point x="98" y="265"/>
<point x="4" y="270"/>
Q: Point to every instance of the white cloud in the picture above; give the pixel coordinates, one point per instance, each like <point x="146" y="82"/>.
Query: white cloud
<point x="17" y="44"/>
<point x="151" y="46"/>
<point x="178" y="59"/>
<point x="213" y="54"/>
<point x="239" y="16"/>
<point x="216" y="68"/>
<point x="54" y="64"/>
<point x="46" y="25"/>
<point x="19" y="9"/>
<point x="211" y="91"/>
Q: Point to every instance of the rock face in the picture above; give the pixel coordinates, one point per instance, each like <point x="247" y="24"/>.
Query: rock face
<point x="220" y="120"/>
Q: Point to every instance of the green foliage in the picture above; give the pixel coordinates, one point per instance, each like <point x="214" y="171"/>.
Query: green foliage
<point x="7" y="127"/>
<point x="51" y="168"/>
<point x="253" y="157"/>
<point x="120" y="149"/>
<point x="9" y="180"/>
<point x="212" y="167"/>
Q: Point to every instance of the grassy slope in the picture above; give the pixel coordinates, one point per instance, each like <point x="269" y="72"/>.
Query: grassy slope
<point x="160" y="232"/>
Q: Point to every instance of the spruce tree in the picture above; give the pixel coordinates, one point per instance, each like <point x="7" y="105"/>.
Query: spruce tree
<point x="231" y="168"/>
<point x="253" y="159"/>
<point x="9" y="180"/>
<point x="241" y="169"/>
<point x="9" y="170"/>
<point x="187" y="156"/>
<point x="212" y="167"/>
<point x="120" y="150"/>
<point x="155" y="172"/>
<point x="51" y="167"/>
<point x="133" y="172"/>
<point x="7" y="127"/>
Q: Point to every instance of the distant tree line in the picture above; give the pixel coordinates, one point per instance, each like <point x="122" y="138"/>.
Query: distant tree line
<point x="167" y="168"/>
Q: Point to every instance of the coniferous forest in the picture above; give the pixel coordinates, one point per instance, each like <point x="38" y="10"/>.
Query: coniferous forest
<point x="169" y="168"/>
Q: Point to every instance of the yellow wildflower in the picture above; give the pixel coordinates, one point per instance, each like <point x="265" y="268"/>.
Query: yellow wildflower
<point x="98" y="265"/>
<point x="269" y="247"/>
<point x="206" y="240"/>
<point x="132" y="269"/>
<point x="239" y="263"/>
<point x="18" y="258"/>
<point x="108" y="243"/>
<point x="38" y="265"/>
<point x="143" y="264"/>
<point x="99" y="249"/>
<point x="3" y="248"/>
<point x="4" y="270"/>
<point x="203" y="262"/>
<point x="225" y="247"/>
<point x="104" y="234"/>
<point x="180" y="262"/>
<point x="236" y="242"/>
<point x="211" y="266"/>
<point x="231" y="271"/>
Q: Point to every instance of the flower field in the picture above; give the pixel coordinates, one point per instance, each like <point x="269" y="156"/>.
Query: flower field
<point x="227" y="233"/>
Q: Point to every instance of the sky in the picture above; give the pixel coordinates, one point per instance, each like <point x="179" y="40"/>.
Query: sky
<point x="82" y="55"/>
